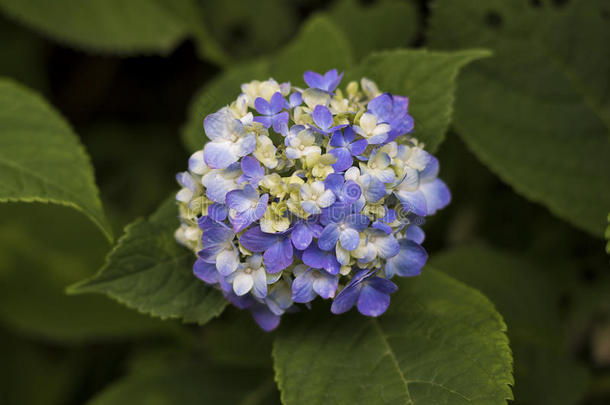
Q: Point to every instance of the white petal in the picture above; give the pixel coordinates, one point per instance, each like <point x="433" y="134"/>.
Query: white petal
<point x="242" y="284"/>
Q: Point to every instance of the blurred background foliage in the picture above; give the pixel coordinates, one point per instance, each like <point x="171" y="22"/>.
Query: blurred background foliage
<point x="126" y="88"/>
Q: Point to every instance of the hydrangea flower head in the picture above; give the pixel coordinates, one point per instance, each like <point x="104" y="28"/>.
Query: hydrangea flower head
<point x="309" y="193"/>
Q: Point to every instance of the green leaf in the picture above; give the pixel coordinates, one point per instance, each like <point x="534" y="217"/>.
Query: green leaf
<point x="244" y="36"/>
<point x="148" y="271"/>
<point x="41" y="159"/>
<point x="538" y="113"/>
<point x="319" y="46"/>
<point x="395" y="24"/>
<point x="116" y="26"/>
<point x="608" y="236"/>
<point x="180" y="380"/>
<point x="26" y="365"/>
<point x="44" y="248"/>
<point x="235" y="340"/>
<point x="427" y="78"/>
<point x="440" y="342"/>
<point x="23" y="56"/>
<point x="545" y="372"/>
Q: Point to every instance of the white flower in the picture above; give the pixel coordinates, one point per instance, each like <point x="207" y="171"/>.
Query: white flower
<point x="302" y="144"/>
<point x="314" y="197"/>
<point x="250" y="276"/>
<point x="256" y="89"/>
<point x="229" y="139"/>
<point x="369" y="129"/>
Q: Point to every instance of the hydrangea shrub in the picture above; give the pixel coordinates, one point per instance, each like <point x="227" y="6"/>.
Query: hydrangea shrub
<point x="309" y="192"/>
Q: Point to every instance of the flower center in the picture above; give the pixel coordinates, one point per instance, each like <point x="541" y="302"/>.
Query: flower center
<point x="301" y="147"/>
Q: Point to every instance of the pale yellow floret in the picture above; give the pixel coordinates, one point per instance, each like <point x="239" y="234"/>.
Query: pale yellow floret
<point x="265" y="151"/>
<point x="256" y="89"/>
<point x="320" y="165"/>
<point x="274" y="184"/>
<point x="274" y="220"/>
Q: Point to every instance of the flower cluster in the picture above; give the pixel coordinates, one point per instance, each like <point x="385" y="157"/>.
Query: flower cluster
<point x="305" y="192"/>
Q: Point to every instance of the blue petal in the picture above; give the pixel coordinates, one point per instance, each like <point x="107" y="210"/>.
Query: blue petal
<point x="216" y="233"/>
<point x="382" y="285"/>
<point x="322" y="117"/>
<point x="413" y="201"/>
<point x="382" y="106"/>
<point x="205" y="271"/>
<point x="329" y="237"/>
<point x="351" y="191"/>
<point x="382" y="227"/>
<point x="295" y="99"/>
<point x="337" y="140"/>
<point x="372" y="302"/>
<point x="278" y="256"/>
<point x="262" y="106"/>
<point x="373" y="189"/>
<point x="321" y="259"/>
<point x="409" y="260"/>
<point x="266" y="319"/>
<point x="415" y="233"/>
<point x="350" y="239"/>
<point x="387" y="246"/>
<point x="280" y="122"/>
<point x="302" y="288"/>
<point x="219" y="155"/>
<point x="325" y="285"/>
<point x="437" y="195"/>
<point x="311" y="207"/>
<point x="359" y="222"/>
<point x="277" y="103"/>
<point x="241" y="200"/>
<point x="334" y="182"/>
<point x="301" y="236"/>
<point x="265" y="120"/>
<point x="358" y="147"/>
<point x="313" y="79"/>
<point x="227" y="262"/>
<point x="255" y="240"/>
<point x="346" y="299"/>
<point x="217" y="212"/>
<point x="252" y="169"/>
<point x="431" y="170"/>
<point x="344" y="159"/>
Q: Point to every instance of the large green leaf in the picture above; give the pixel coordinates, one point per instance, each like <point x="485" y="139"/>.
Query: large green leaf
<point x="387" y="24"/>
<point x="528" y="300"/>
<point x="26" y="365"/>
<point x="124" y="27"/>
<point x="538" y="113"/>
<point x="172" y="378"/>
<point x="319" y="46"/>
<point x="427" y="78"/>
<point x="235" y="340"/>
<point x="440" y="342"/>
<point x="243" y="35"/>
<point x="148" y="271"/>
<point x="44" y="248"/>
<point x="608" y="236"/>
<point x="41" y="159"/>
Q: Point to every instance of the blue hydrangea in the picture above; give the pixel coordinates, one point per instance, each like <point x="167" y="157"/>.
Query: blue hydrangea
<point x="311" y="192"/>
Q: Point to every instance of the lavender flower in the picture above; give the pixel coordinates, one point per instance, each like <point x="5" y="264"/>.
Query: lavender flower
<point x="308" y="192"/>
